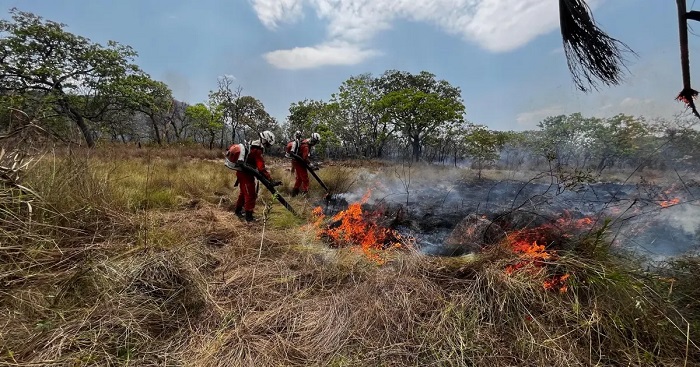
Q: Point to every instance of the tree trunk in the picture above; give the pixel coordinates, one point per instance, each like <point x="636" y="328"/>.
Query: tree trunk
<point x="80" y="121"/>
<point x="175" y="130"/>
<point x="415" y="142"/>
<point x="223" y="133"/>
<point x="156" y="130"/>
<point x="234" y="126"/>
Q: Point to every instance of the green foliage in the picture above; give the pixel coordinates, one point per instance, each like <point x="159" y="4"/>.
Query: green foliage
<point x="362" y="128"/>
<point x="251" y="112"/>
<point x="418" y="105"/>
<point x="240" y="112"/>
<point x="306" y="115"/>
<point x="483" y="145"/>
<point x="206" y="119"/>
<point x="368" y="112"/>
<point x="72" y="74"/>
<point x="140" y="93"/>
<point x="309" y="116"/>
<point x="579" y="141"/>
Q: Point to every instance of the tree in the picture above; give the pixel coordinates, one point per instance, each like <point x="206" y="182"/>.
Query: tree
<point x="362" y="127"/>
<point x="175" y="119"/>
<point x="251" y="112"/>
<point x="70" y="72"/>
<point x="138" y="92"/>
<point x="227" y="99"/>
<point x="306" y="115"/>
<point x="564" y="139"/>
<point x="483" y="145"/>
<point x="310" y="116"/>
<point x="418" y="105"/>
<point x="615" y="139"/>
<point x="205" y="119"/>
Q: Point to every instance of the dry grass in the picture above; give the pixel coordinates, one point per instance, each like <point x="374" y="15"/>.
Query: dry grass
<point x="100" y="272"/>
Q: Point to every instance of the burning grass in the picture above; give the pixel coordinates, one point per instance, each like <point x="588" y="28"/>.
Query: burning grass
<point x="358" y="228"/>
<point x="87" y="279"/>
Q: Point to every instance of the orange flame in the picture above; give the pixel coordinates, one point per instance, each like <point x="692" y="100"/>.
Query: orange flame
<point x="557" y="282"/>
<point x="359" y="229"/>
<point x="667" y="203"/>
<point x="534" y="257"/>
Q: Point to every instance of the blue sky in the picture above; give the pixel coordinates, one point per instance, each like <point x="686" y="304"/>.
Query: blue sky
<point x="505" y="55"/>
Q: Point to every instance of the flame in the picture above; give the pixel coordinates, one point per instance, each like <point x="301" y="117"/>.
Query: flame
<point x="359" y="229"/>
<point x="667" y="203"/>
<point x="557" y="282"/>
<point x="533" y="255"/>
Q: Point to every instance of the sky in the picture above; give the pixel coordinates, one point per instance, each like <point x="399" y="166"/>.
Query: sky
<point x="506" y="56"/>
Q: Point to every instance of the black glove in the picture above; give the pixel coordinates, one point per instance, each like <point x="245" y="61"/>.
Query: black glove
<point x="276" y="183"/>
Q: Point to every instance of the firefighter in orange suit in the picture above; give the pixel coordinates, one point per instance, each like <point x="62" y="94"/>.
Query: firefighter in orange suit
<point x="301" y="184"/>
<point x="254" y="158"/>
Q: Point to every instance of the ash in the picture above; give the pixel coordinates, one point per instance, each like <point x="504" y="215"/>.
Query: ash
<point x="654" y="222"/>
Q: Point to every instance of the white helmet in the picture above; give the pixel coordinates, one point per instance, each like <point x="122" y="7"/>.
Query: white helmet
<point x="315" y="138"/>
<point x="267" y="137"/>
<point x="297" y="134"/>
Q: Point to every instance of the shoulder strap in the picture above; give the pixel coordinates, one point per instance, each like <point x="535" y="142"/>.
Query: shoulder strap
<point x="244" y="152"/>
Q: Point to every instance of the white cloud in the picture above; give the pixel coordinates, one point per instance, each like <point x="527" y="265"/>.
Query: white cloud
<point x="529" y="119"/>
<point x="495" y="25"/>
<point x="271" y="12"/>
<point x="324" y="54"/>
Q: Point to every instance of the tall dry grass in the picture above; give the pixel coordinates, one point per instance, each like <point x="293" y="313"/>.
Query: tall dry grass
<point x="97" y="270"/>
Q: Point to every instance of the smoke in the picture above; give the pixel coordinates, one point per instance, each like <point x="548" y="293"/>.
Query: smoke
<point x="435" y="199"/>
<point x="663" y="233"/>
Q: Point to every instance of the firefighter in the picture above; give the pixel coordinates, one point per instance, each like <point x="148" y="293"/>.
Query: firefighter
<point x="253" y="157"/>
<point x="293" y="147"/>
<point x="301" y="184"/>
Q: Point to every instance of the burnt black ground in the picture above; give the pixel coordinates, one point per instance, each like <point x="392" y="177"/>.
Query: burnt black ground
<point x="639" y="220"/>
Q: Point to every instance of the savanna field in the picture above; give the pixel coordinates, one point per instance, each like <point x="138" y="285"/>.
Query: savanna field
<point x="127" y="256"/>
<point x="534" y="202"/>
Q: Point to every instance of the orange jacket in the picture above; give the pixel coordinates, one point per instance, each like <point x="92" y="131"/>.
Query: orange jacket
<point x="255" y="159"/>
<point x="304" y="151"/>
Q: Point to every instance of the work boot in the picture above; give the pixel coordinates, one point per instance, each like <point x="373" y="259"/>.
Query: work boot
<point x="249" y="217"/>
<point x="295" y="192"/>
<point x="238" y="212"/>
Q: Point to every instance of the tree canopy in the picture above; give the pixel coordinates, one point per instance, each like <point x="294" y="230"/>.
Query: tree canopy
<point x="77" y="78"/>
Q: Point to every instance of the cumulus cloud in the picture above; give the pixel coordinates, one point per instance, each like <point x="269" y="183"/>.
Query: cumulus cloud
<point x="324" y="54"/>
<point x="495" y="25"/>
<point x="271" y="12"/>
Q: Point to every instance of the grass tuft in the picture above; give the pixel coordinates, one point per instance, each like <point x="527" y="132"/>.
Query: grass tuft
<point x="103" y="261"/>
